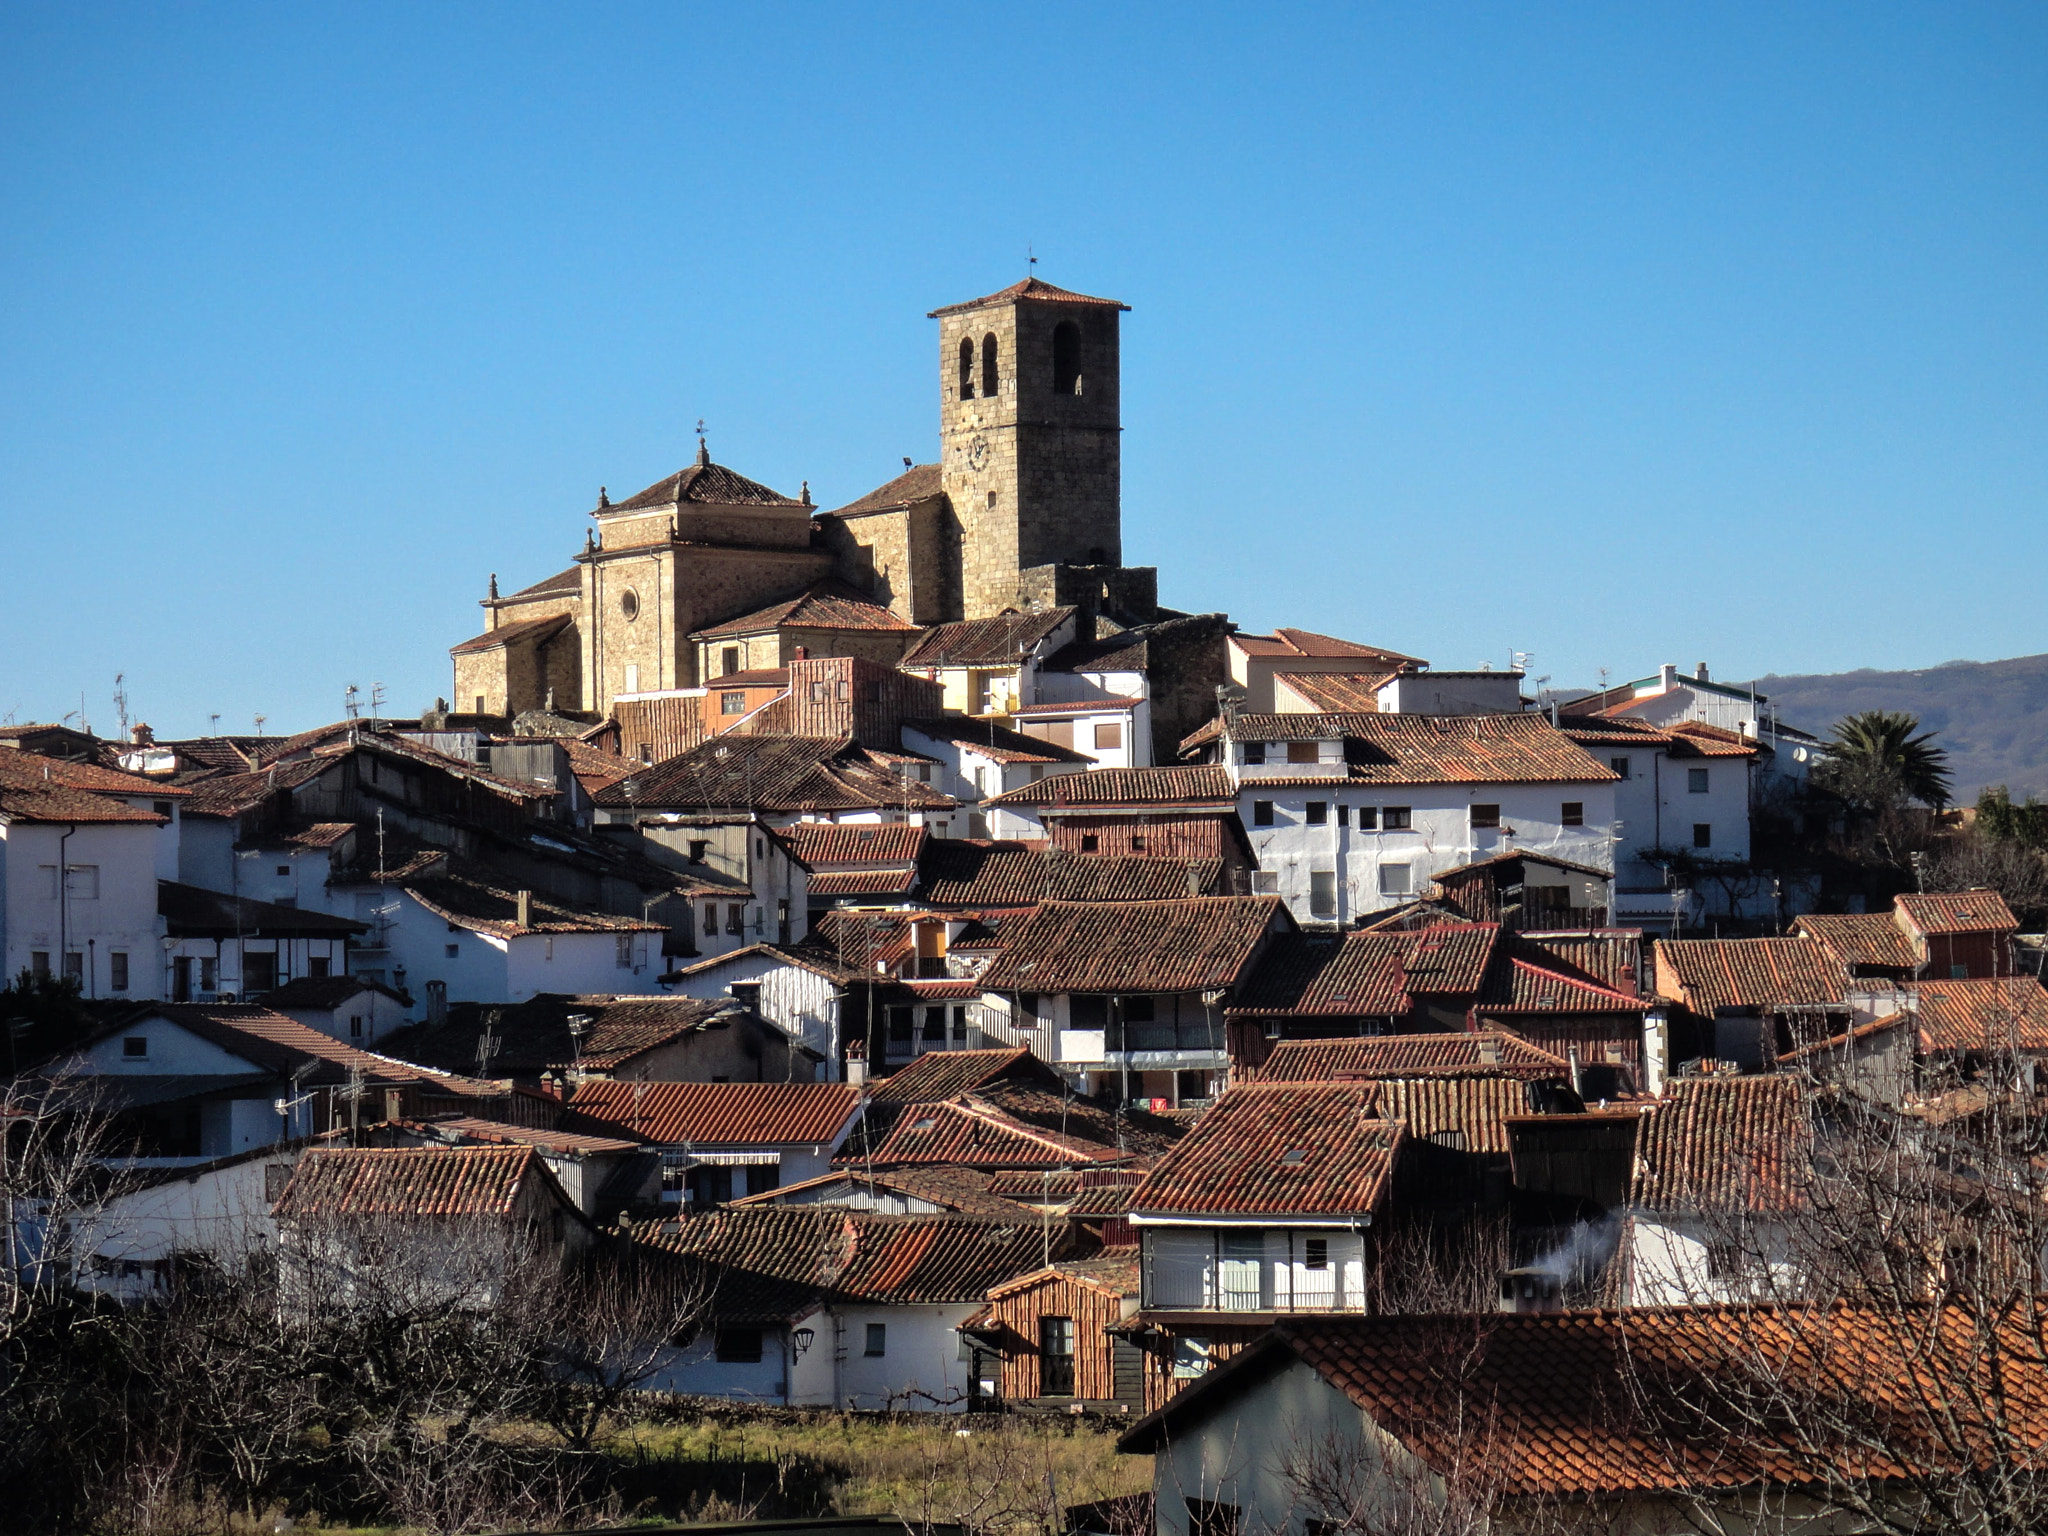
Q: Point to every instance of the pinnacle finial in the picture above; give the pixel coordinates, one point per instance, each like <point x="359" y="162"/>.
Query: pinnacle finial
<point x="494" y="586"/>
<point x="604" y="497"/>
<point x="805" y="498"/>
<point x="703" y="447"/>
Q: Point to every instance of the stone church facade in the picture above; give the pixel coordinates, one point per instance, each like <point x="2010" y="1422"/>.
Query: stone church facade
<point x="1023" y="510"/>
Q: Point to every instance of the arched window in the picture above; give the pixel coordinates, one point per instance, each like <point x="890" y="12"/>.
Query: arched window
<point x="1066" y="358"/>
<point x="966" y="368"/>
<point x="990" y="353"/>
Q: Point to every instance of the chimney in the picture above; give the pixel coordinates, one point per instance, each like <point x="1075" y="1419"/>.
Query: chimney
<point x="1489" y="1050"/>
<point x="143" y="736"/>
<point x="1667" y="676"/>
<point x="802" y="653"/>
<point x="525" y="917"/>
<point x="1531" y="1290"/>
<point x="856" y="1065"/>
<point x="1699" y="672"/>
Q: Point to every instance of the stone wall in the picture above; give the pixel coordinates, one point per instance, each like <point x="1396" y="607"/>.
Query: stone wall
<point x="906" y="558"/>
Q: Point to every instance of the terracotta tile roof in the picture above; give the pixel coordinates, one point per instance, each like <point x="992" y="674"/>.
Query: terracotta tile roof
<point x="722" y="1114"/>
<point x="275" y="1043"/>
<point x="489" y="909"/>
<point x="1202" y="786"/>
<point x="883" y="881"/>
<point x="46" y="789"/>
<point x="570" y="580"/>
<point x="996" y="742"/>
<point x="469" y="1130"/>
<point x="778" y="774"/>
<point x="921" y="482"/>
<point x="505" y="634"/>
<point x="1608" y="957"/>
<point x="1860" y="938"/>
<point x="1015" y="1124"/>
<point x="962" y="1191"/>
<point x="958" y="873"/>
<point x="1284" y="643"/>
<point x="1563" y="1393"/>
<point x="1434" y="749"/>
<point x="1992" y="1014"/>
<point x="1715" y="974"/>
<point x="1939" y="912"/>
<point x="321" y="992"/>
<point x="322" y="834"/>
<point x="1119" y="653"/>
<point x="805" y="956"/>
<point x="1029" y="291"/>
<point x="706" y="484"/>
<point x="830" y="845"/>
<point x="532" y="1037"/>
<point x="1522" y="987"/>
<point x="1465" y="1112"/>
<point x="1487" y="1053"/>
<point x="409" y="1182"/>
<point x="1450" y="958"/>
<point x="1695" y="738"/>
<point x="829" y="605"/>
<point x="1722" y="1144"/>
<point x="1194" y="944"/>
<point x="1107" y="705"/>
<point x="234" y="793"/>
<point x="1337" y="693"/>
<point x="1836" y="1042"/>
<point x="1279" y="1150"/>
<point x="1325" y="974"/>
<point x="1114" y="1272"/>
<point x="940" y="1075"/>
<point x="595" y="769"/>
<point x="993" y="642"/>
<point x="190" y="910"/>
<point x="773" y="1262"/>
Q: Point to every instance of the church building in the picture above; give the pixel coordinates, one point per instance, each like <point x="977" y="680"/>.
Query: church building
<point x="707" y="572"/>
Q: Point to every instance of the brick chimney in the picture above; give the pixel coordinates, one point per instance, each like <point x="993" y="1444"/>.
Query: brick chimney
<point x="142" y="735"/>
<point x="525" y="917"/>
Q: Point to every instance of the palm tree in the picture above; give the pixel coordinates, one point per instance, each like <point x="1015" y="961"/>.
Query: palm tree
<point x="1881" y="746"/>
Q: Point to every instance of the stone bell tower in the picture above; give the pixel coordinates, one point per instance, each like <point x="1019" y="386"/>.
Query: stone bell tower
<point x="1029" y="425"/>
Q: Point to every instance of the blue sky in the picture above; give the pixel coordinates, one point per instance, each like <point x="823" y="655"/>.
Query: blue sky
<point x="1617" y="335"/>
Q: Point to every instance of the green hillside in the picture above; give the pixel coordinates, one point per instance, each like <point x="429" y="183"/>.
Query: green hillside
<point x="1992" y="715"/>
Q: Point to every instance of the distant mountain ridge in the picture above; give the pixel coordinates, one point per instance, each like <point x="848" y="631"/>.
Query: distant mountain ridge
<point x="1992" y="716"/>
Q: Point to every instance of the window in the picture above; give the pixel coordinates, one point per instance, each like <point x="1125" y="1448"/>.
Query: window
<point x="117" y="970"/>
<point x="878" y="1340"/>
<point x="1265" y="882"/>
<point x="710" y="914"/>
<point x="1262" y="813"/>
<point x="1304" y="752"/>
<point x="479" y="710"/>
<point x="1368" y="817"/>
<point x="1485" y="816"/>
<point x="162" y="808"/>
<point x="629" y="605"/>
<point x="966" y="368"/>
<point x="1322" y="893"/>
<point x="1696" y="781"/>
<point x="1619" y="765"/>
<point x="317" y="967"/>
<point x="284" y="870"/>
<point x="355" y="1026"/>
<point x="259" y="972"/>
<point x="1190" y="1356"/>
<point x="452" y="951"/>
<point x="959" y="1023"/>
<point x="733" y="703"/>
<point x="1137" y="842"/>
<point x="735" y="917"/>
<point x="935" y="1026"/>
<point x="728" y="660"/>
<point x="1343" y="815"/>
<point x="1141" y="1010"/>
<point x="646" y="751"/>
<point x="1055" y="1357"/>
<point x="1318" y="813"/>
<point x="990" y="354"/>
<point x="1254" y="753"/>
<point x="1090" y="842"/>
<point x="1315" y="1253"/>
<point x="1573" y="814"/>
<point x="135" y="1047"/>
<point x="39" y="964"/>
<point x="209" y="973"/>
<point x="1066" y="358"/>
<point x="1396" y="818"/>
<point x="74" y="966"/>
<point x="1702" y="834"/>
<point x="1109" y="735"/>
<point x="899" y="1024"/>
<point x="1394" y="879"/>
<point x="632" y="677"/>
<point x="739" y="1346"/>
<point x="623" y="951"/>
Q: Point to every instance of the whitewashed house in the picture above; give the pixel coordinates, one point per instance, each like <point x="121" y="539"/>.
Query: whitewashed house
<point x="976" y="759"/>
<point x="1352" y="813"/>
<point x="230" y="949"/>
<point x="721" y="1141"/>
<point x="803" y="995"/>
<point x="346" y="1007"/>
<point x="81" y="851"/>
<point x="1672" y="698"/>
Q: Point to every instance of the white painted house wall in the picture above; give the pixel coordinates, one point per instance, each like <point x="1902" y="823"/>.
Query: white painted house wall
<point x="222" y="1212"/>
<point x="919" y="1370"/>
<point x="361" y="1020"/>
<point x="799" y="1002"/>
<point x="492" y="968"/>
<point x="1251" y="1269"/>
<point x="226" y="1126"/>
<point x="223" y="960"/>
<point x="1671" y="1262"/>
<point x="109" y="906"/>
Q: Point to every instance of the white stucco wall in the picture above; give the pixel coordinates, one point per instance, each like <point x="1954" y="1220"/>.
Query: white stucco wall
<point x="221" y="1212"/>
<point x="1251" y="1269"/>
<point x="120" y="918"/>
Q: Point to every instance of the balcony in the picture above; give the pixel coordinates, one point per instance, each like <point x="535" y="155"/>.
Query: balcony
<point x="1237" y="1270"/>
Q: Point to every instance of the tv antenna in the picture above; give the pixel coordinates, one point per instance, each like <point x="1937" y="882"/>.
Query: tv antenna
<point x="351" y="701"/>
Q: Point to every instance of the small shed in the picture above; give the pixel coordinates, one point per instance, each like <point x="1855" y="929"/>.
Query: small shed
<point x="1052" y="1331"/>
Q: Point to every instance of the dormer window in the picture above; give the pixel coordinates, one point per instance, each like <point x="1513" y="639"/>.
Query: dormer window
<point x="1293" y="1157"/>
